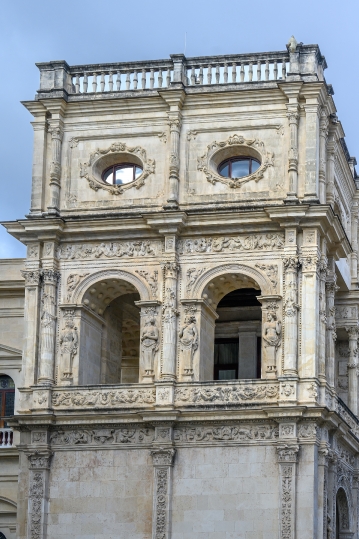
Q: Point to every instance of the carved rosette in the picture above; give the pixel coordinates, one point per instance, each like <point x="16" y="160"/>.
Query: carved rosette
<point x="162" y="461"/>
<point x="89" y="171"/>
<point x="206" y="165"/>
<point x="39" y="464"/>
<point x="287" y="459"/>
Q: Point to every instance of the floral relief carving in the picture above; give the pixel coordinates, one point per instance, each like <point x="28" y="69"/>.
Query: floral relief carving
<point x="271" y="270"/>
<point x="103" y="399"/>
<point x="36" y="495"/>
<point x="262" y="242"/>
<point x="72" y="281"/>
<point x="237" y="433"/>
<point x="152" y="279"/>
<point x="204" y="163"/>
<point x="31" y="277"/>
<point x="128" y="435"/>
<point x="87" y="169"/>
<point x="192" y="275"/>
<point x="223" y="394"/>
<point x="109" y="250"/>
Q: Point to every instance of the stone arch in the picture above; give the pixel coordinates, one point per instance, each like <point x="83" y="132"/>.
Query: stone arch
<point x="91" y="280"/>
<point x="243" y="269"/>
<point x="343" y="508"/>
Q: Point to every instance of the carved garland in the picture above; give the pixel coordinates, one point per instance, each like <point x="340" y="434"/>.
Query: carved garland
<point x="206" y="165"/>
<point x="148" y="165"/>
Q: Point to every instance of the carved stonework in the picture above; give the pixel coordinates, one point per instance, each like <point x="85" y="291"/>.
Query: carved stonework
<point x="192" y="275"/>
<point x="103" y="399"/>
<point x="136" y="152"/>
<point x="152" y="279"/>
<point x="163" y="456"/>
<point x="253" y="242"/>
<point x="36" y="495"/>
<point x="130" y="435"/>
<point x="271" y="270"/>
<point x="72" y="281"/>
<point x="149" y="345"/>
<point x="224" y="394"/>
<point x="68" y="344"/>
<point x="188" y="339"/>
<point x="32" y="278"/>
<point x="109" y="250"/>
<point x="206" y="166"/>
<point x="228" y="433"/>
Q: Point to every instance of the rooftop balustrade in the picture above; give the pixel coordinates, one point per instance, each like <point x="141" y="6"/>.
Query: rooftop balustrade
<point x="101" y="80"/>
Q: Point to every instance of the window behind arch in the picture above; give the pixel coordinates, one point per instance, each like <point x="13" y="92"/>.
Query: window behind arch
<point x="7" y="399"/>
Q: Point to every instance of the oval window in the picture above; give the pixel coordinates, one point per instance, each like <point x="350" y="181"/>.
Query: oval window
<point x="122" y="174"/>
<point x="238" y="167"/>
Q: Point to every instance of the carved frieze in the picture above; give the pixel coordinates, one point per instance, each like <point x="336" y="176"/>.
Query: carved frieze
<point x="110" y="250"/>
<point x="103" y="399"/>
<point x="152" y="279"/>
<point x="224" y="394"/>
<point x="87" y="170"/>
<point x="252" y="242"/>
<point x="206" y="165"/>
<point x="227" y="433"/>
<point x="121" y="436"/>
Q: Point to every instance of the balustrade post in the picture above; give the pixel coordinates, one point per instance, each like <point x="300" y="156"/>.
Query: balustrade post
<point x="353" y="332"/>
<point x="48" y="326"/>
<point x="169" y="315"/>
<point x="56" y="130"/>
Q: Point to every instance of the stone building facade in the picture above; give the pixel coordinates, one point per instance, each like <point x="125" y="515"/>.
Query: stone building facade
<point x="188" y="305"/>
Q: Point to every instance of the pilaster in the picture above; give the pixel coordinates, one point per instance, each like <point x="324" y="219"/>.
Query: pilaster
<point x="169" y="318"/>
<point x="48" y="326"/>
<point x="39" y="466"/>
<point x="287" y="456"/>
<point x="353" y="333"/>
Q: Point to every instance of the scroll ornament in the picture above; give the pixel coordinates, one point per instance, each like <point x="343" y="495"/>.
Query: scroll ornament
<point x="204" y="163"/>
<point x="148" y="165"/>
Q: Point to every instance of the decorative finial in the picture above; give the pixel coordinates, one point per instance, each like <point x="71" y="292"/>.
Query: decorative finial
<point x="292" y="44"/>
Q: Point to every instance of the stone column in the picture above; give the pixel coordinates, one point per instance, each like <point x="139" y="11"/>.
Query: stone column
<point x="354" y="241"/>
<point x="31" y="327"/>
<point x="323" y="521"/>
<point x="291" y="265"/>
<point x="331" y="334"/>
<point x="293" y="118"/>
<point x="271" y="335"/>
<point x="310" y="255"/>
<point x="330" y="166"/>
<point x="56" y="131"/>
<point x="48" y="326"/>
<point x="353" y="332"/>
<point x="39" y="465"/>
<point x="175" y="122"/>
<point x="169" y="315"/>
<point x="311" y="194"/>
<point x="332" y="481"/>
<point x="150" y="341"/>
<point x="322" y="318"/>
<point x="323" y="133"/>
<point x="287" y="460"/>
<point x="39" y="156"/>
<point x="162" y="458"/>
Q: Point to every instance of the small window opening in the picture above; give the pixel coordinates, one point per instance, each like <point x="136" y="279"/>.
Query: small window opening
<point x="238" y="167"/>
<point x="122" y="174"/>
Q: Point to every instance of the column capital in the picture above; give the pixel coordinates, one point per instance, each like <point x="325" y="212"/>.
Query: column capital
<point x="163" y="456"/>
<point x="32" y="277"/>
<point x="40" y="460"/>
<point x="287" y="453"/>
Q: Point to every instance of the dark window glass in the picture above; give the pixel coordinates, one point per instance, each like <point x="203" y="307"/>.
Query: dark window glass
<point x="226" y="359"/>
<point x="238" y="167"/>
<point x="121" y="174"/>
<point x="7" y="399"/>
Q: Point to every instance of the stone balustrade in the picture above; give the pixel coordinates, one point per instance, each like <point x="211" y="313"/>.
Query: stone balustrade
<point x="6" y="437"/>
<point x="107" y="79"/>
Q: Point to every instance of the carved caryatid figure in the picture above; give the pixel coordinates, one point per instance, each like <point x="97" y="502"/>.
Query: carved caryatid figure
<point x="188" y="343"/>
<point x="149" y="340"/>
<point x="68" y="347"/>
<point x="272" y="330"/>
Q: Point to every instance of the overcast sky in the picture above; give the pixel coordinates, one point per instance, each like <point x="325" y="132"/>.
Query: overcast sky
<point x="88" y="31"/>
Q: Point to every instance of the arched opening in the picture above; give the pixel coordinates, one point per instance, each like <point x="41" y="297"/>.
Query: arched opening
<point x="236" y="328"/>
<point x="342" y="515"/>
<point x="237" y="344"/>
<point x="109" y="340"/>
<point x="7" y="408"/>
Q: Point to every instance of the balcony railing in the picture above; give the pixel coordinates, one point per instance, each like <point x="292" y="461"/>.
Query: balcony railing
<point x="192" y="72"/>
<point x="6" y="437"/>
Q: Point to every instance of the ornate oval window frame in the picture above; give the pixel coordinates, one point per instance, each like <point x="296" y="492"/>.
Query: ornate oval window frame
<point x="234" y="146"/>
<point x="117" y="153"/>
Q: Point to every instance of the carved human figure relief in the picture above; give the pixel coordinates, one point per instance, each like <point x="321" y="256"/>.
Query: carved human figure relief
<point x="68" y="346"/>
<point x="188" y="338"/>
<point x="72" y="281"/>
<point x="272" y="331"/>
<point x="150" y="344"/>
